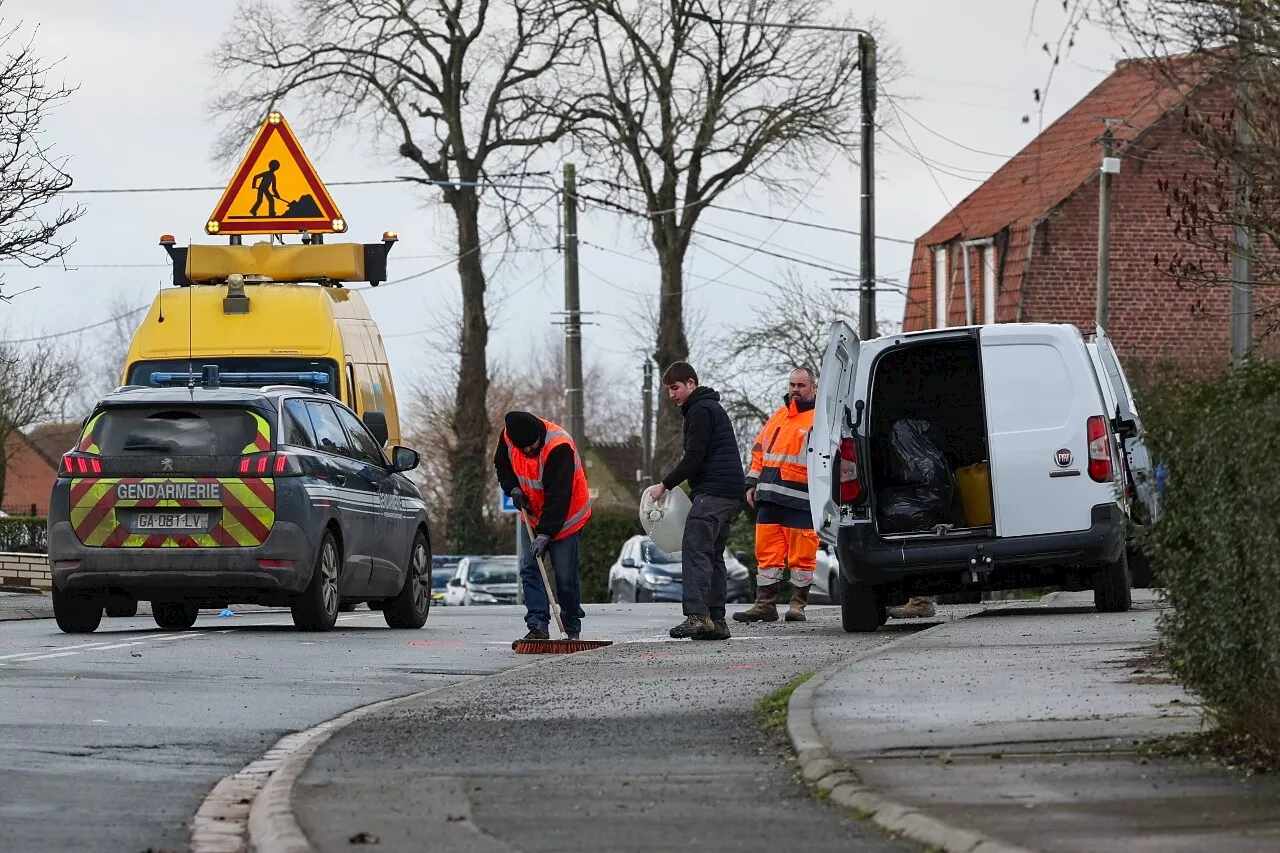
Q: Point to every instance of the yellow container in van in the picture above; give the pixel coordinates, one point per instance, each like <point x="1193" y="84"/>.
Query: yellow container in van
<point x="274" y="328"/>
<point x="974" y="483"/>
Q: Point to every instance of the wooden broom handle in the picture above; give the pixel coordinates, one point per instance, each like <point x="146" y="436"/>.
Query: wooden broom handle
<point x="552" y="604"/>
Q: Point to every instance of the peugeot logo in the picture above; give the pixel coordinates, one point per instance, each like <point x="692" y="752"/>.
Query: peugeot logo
<point x="1063" y="457"/>
<point x="166" y="464"/>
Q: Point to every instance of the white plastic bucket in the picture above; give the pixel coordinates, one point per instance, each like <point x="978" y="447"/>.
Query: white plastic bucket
<point x="664" y="520"/>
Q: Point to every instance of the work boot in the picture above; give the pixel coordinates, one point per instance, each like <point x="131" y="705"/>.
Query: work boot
<point x="766" y="607"/>
<point x="719" y="630"/>
<point x="534" y="634"/>
<point x="691" y="625"/>
<point x="916" y="608"/>
<point x="799" y="598"/>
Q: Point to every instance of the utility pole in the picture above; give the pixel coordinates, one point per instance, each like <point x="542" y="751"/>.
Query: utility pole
<point x="646" y="431"/>
<point x="1110" y="166"/>
<point x="1241" y="265"/>
<point x="573" y="401"/>
<point x="867" y="227"/>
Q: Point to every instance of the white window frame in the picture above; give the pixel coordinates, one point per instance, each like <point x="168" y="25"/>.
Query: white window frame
<point x="989" y="284"/>
<point x="941" y="288"/>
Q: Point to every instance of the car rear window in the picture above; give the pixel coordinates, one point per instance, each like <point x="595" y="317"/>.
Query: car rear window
<point x="175" y="431"/>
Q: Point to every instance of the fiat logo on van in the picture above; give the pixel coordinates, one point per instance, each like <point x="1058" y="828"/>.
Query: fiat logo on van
<point x="1063" y="457"/>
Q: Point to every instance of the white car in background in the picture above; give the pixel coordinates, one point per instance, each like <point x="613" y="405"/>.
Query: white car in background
<point x="484" y="580"/>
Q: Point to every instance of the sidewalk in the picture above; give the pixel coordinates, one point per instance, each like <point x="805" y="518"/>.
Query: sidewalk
<point x="24" y="605"/>
<point x="1021" y="723"/>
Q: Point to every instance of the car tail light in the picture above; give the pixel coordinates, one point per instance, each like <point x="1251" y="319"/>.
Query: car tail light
<point x="276" y="464"/>
<point x="275" y="564"/>
<point x="79" y="463"/>
<point x="1099" y="449"/>
<point x="850" y="481"/>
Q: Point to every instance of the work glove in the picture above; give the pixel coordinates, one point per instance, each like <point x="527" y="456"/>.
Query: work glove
<point x="540" y="545"/>
<point x="518" y="498"/>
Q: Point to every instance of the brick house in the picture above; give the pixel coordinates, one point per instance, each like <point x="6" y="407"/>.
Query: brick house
<point x="1032" y="229"/>
<point x="32" y="466"/>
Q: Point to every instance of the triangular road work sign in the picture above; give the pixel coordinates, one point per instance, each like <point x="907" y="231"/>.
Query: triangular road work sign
<point x="275" y="190"/>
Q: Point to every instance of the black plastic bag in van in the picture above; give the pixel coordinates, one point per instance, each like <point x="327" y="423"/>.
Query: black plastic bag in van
<point x="923" y="485"/>
<point x="906" y="509"/>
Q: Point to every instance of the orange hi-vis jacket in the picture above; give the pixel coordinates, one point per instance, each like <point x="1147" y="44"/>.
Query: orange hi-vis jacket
<point x="529" y="472"/>
<point x="779" y="468"/>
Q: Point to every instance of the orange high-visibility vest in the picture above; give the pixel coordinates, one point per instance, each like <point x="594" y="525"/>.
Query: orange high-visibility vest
<point x="529" y="472"/>
<point x="779" y="467"/>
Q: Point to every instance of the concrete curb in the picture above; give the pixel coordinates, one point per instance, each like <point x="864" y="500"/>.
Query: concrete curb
<point x="823" y="771"/>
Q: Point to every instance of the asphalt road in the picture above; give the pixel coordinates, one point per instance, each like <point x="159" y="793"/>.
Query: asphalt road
<point x="109" y="741"/>
<point x="648" y="745"/>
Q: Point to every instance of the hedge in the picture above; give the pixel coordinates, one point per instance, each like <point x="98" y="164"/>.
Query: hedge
<point x="23" y="534"/>
<point x="1216" y="549"/>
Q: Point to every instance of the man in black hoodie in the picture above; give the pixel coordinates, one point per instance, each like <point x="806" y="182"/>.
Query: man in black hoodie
<point x="713" y="466"/>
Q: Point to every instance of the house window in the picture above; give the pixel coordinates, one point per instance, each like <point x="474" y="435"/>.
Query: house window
<point x="988" y="284"/>
<point x="941" y="292"/>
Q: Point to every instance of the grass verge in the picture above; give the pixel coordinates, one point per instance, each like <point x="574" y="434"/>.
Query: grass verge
<point x="772" y="709"/>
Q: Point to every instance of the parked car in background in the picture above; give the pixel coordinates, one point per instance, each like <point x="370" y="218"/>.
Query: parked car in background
<point x="484" y="580"/>
<point x="644" y="572"/>
<point x="826" y="578"/>
<point x="443" y="568"/>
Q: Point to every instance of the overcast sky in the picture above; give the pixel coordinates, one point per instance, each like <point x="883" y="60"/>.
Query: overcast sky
<point x="139" y="120"/>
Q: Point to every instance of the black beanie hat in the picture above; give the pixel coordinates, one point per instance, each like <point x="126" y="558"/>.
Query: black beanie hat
<point x="524" y="429"/>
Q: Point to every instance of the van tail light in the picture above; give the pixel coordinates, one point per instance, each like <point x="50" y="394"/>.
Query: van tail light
<point x="80" y="464"/>
<point x="850" y="481"/>
<point x="1099" y="449"/>
<point x="276" y="464"/>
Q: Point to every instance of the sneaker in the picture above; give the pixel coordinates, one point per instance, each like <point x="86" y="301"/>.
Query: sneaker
<point x="916" y="608"/>
<point x="534" y="634"/>
<point x="719" y="630"/>
<point x="574" y="636"/>
<point x="691" y="625"/>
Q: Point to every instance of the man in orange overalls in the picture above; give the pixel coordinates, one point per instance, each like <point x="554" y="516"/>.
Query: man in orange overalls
<point x="778" y="486"/>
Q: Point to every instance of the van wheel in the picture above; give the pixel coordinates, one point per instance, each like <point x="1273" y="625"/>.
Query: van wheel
<point x="409" y="609"/>
<point x="316" y="609"/>
<point x="121" y="607"/>
<point x="862" y="607"/>
<point x="174" y="615"/>
<point x="1111" y="589"/>
<point x="76" y="612"/>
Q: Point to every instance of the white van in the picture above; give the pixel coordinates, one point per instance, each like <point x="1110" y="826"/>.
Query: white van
<point x="1019" y="406"/>
<point x="1138" y="477"/>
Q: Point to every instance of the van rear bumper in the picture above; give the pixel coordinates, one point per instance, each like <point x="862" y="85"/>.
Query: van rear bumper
<point x="142" y="572"/>
<point x="867" y="559"/>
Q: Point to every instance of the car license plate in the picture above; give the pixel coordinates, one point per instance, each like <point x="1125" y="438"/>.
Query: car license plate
<point x="171" y="521"/>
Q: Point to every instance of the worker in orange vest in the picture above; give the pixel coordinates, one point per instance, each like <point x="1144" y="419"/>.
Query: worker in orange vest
<point x="539" y="468"/>
<point x="778" y="487"/>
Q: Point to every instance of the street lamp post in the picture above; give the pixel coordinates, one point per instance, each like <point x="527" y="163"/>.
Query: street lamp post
<point x="867" y="108"/>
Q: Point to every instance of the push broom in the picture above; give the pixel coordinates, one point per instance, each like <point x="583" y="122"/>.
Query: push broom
<point x="552" y="647"/>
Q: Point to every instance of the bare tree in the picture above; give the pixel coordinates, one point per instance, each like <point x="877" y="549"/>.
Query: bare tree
<point x="31" y="174"/>
<point x="466" y="89"/>
<point x="1223" y="55"/>
<point x="37" y="383"/>
<point x="683" y="110"/>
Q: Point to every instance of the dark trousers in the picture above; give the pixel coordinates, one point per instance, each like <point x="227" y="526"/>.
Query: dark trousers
<point x="706" y="534"/>
<point x="563" y="559"/>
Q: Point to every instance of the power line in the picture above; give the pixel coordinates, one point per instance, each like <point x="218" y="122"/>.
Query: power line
<point x="363" y="183"/>
<point x="764" y="251"/>
<point x="99" y="324"/>
<point x="803" y="224"/>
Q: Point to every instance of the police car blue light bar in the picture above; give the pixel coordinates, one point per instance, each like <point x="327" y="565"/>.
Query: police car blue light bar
<point x="316" y="378"/>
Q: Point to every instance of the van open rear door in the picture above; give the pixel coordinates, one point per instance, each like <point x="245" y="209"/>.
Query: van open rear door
<point x="830" y="417"/>
<point x="1043" y="408"/>
<point x="1135" y="446"/>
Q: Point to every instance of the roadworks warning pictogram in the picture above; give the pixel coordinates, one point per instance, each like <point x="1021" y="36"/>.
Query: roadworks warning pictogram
<point x="275" y="190"/>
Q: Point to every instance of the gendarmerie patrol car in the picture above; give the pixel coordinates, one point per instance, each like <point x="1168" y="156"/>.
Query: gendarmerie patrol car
<point x="194" y="493"/>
